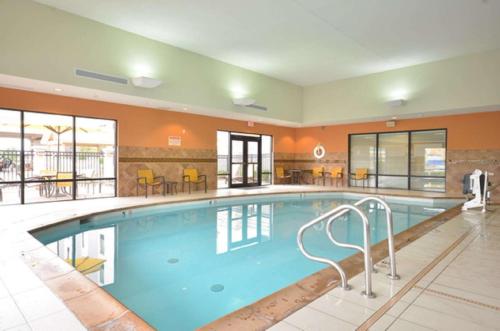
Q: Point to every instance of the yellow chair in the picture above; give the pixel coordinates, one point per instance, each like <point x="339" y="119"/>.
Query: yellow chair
<point x="190" y="176"/>
<point x="281" y="175"/>
<point x="337" y="174"/>
<point x="146" y="178"/>
<point x="317" y="173"/>
<point x="65" y="187"/>
<point x="360" y="174"/>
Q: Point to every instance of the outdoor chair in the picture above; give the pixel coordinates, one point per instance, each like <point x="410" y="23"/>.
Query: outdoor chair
<point x="190" y="176"/>
<point x="64" y="187"/>
<point x="146" y="178"/>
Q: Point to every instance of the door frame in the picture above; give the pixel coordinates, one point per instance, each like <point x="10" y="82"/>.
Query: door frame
<point x="245" y="140"/>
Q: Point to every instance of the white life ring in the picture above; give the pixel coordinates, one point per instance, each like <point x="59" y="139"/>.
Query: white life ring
<point x="319" y="151"/>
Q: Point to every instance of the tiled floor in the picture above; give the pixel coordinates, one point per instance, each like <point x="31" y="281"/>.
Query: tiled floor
<point x="459" y="291"/>
<point x="448" y="297"/>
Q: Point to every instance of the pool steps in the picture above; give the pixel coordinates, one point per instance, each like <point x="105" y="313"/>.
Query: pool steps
<point x="333" y="215"/>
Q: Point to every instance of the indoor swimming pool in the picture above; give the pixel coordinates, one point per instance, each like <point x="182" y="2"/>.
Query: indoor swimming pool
<point x="180" y="266"/>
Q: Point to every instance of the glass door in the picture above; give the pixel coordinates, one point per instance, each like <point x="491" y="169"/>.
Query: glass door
<point x="245" y="159"/>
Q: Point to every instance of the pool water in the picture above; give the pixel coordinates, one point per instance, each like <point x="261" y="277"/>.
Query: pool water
<point x="180" y="267"/>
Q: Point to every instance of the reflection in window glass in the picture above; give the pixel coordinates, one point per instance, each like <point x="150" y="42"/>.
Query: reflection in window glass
<point x="428" y="184"/>
<point x="363" y="155"/>
<point x="393" y="182"/>
<point x="393" y="154"/>
<point x="428" y="153"/>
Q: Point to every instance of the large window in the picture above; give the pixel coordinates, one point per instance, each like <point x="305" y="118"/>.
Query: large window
<point x="407" y="160"/>
<point x="47" y="157"/>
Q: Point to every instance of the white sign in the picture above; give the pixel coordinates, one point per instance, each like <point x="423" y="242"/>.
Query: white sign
<point x="174" y="140"/>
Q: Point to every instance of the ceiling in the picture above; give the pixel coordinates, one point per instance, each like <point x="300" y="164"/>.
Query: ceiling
<point x="307" y="42"/>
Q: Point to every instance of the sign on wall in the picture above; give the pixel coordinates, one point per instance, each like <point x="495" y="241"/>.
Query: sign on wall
<point x="174" y="140"/>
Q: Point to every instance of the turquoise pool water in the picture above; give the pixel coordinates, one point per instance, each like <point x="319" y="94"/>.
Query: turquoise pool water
<point x="182" y="266"/>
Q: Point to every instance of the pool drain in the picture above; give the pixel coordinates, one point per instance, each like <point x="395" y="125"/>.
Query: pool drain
<point x="217" y="288"/>
<point x="173" y="260"/>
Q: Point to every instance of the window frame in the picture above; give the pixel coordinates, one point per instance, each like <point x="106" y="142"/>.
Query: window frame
<point x="409" y="176"/>
<point x="74" y="180"/>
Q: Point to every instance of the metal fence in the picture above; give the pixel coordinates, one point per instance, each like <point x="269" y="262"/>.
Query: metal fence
<point x="34" y="161"/>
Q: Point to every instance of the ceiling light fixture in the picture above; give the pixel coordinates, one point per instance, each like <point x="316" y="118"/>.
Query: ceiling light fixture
<point x="396" y="103"/>
<point x="146" y="82"/>
<point x="247" y="102"/>
<point x="58" y="89"/>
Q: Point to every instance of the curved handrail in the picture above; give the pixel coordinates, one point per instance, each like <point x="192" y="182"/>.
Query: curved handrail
<point x="300" y="243"/>
<point x="390" y="233"/>
<point x="366" y="249"/>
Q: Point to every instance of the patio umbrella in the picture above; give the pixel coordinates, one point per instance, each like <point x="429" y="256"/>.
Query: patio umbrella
<point x="58" y="130"/>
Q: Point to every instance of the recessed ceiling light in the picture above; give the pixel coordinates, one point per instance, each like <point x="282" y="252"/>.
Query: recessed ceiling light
<point x="185" y="108"/>
<point x="394" y="118"/>
<point x="58" y="89"/>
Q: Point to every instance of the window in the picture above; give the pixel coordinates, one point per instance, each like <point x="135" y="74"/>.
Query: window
<point x="48" y="157"/>
<point x="222" y="159"/>
<point x="393" y="160"/>
<point x="428" y="160"/>
<point x="267" y="160"/>
<point x="406" y="160"/>
<point x="10" y="157"/>
<point x="363" y="150"/>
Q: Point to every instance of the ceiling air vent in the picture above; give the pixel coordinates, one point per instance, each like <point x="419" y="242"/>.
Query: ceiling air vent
<point x="99" y="76"/>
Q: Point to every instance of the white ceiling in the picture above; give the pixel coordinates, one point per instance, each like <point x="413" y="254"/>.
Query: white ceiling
<point x="307" y="41"/>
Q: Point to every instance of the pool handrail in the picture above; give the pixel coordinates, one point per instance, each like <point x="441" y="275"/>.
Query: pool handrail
<point x="334" y="213"/>
<point x="390" y="233"/>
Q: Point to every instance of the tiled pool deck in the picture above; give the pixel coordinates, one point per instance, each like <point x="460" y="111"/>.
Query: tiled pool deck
<point x="455" y="290"/>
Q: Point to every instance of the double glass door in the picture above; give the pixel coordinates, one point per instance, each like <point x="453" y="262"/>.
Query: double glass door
<point x="245" y="161"/>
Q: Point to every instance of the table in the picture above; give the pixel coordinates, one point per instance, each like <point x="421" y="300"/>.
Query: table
<point x="171" y="186"/>
<point x="295" y="175"/>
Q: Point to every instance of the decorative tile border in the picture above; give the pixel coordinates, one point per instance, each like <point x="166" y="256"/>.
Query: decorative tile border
<point x="164" y="159"/>
<point x="458" y="298"/>
<point x="411" y="284"/>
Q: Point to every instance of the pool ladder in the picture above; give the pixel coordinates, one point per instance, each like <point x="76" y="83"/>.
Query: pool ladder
<point x="333" y="215"/>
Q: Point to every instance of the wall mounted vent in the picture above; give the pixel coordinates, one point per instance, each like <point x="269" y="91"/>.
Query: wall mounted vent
<point x="99" y="76"/>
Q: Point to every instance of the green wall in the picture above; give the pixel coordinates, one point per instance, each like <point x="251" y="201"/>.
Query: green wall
<point x="47" y="44"/>
<point x="466" y="83"/>
<point x="43" y="43"/>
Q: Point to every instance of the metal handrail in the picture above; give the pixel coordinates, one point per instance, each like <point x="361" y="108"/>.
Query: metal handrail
<point x="334" y="213"/>
<point x="390" y="233"/>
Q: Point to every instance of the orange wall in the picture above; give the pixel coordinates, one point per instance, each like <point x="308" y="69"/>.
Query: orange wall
<point x="468" y="131"/>
<point x="146" y="127"/>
